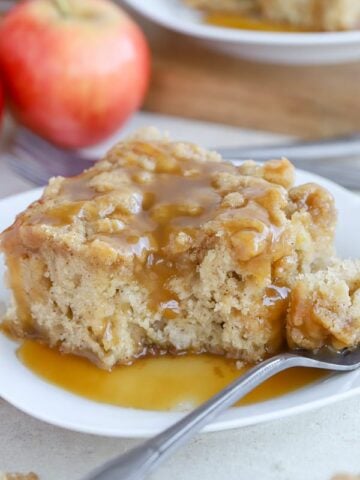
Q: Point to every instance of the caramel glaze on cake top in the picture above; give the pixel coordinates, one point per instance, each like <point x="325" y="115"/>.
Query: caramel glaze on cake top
<point x="160" y="217"/>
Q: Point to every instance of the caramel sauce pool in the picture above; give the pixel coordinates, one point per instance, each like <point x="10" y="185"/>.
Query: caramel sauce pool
<point x="154" y="383"/>
<point x="243" y="22"/>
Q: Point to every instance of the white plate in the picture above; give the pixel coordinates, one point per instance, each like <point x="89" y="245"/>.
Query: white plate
<point x="29" y="393"/>
<point x="288" y="48"/>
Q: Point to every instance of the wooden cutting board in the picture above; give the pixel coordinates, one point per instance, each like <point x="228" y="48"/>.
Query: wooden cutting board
<point x="192" y="81"/>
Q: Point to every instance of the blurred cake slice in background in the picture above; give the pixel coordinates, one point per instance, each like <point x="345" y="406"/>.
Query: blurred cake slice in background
<point x="235" y="6"/>
<point x="316" y="15"/>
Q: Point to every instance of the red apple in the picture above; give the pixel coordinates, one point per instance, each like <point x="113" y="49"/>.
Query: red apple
<point x="1" y="104"/>
<point x="73" y="70"/>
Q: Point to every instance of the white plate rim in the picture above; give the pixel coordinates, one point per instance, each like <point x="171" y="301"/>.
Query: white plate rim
<point x="232" y="35"/>
<point x="226" y="421"/>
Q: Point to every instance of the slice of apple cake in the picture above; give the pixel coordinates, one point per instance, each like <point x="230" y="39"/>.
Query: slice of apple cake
<point x="163" y="247"/>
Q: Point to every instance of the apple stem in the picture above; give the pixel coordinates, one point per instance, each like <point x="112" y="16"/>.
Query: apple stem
<point x="63" y="6"/>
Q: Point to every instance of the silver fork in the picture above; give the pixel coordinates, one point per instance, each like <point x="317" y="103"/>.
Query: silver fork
<point x="140" y="461"/>
<point x="38" y="160"/>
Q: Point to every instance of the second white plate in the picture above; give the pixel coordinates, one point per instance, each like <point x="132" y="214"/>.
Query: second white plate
<point x="287" y="48"/>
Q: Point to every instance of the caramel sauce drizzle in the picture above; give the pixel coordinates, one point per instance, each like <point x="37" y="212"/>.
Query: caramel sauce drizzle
<point x="155" y="383"/>
<point x="248" y="22"/>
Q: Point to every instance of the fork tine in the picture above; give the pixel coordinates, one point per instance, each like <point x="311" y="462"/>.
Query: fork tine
<point x="35" y="143"/>
<point x="38" y="160"/>
<point x="345" y="360"/>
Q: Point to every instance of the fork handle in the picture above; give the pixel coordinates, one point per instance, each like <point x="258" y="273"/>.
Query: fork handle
<point x="140" y="461"/>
